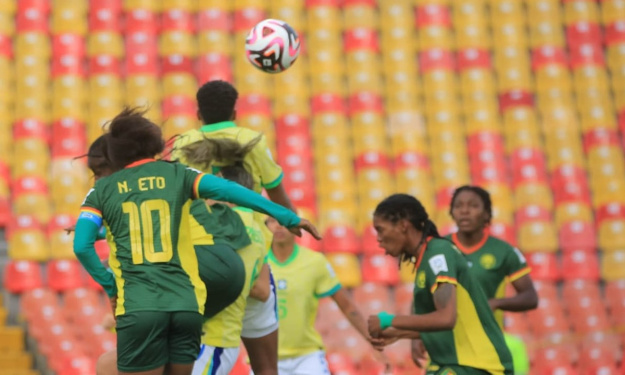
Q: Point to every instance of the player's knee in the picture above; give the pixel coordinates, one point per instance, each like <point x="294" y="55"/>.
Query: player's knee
<point x="107" y="363"/>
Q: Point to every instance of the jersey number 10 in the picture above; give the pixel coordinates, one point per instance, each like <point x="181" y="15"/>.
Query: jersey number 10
<point x="141" y="227"/>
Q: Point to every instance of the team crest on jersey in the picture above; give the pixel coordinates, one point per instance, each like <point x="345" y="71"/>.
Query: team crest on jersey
<point x="488" y="261"/>
<point x="421" y="279"/>
<point x="448" y="371"/>
<point x="281" y="285"/>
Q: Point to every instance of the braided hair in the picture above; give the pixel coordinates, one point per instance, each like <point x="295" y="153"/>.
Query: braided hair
<point x="480" y="192"/>
<point x="406" y="207"/>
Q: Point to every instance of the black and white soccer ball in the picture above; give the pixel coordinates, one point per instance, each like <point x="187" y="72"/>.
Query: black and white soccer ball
<point x="272" y="46"/>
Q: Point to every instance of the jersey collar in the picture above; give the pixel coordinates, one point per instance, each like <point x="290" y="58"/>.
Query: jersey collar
<point x="286" y="262"/>
<point x="139" y="162"/>
<point x="217" y="126"/>
<point x="470" y="249"/>
<point x="425" y="247"/>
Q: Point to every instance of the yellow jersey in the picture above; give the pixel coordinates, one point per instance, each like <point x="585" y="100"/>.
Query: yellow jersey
<point x="259" y="162"/>
<point x="301" y="281"/>
<point x="224" y="329"/>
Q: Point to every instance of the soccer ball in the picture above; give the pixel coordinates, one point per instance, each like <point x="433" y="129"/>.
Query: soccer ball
<point x="272" y="46"/>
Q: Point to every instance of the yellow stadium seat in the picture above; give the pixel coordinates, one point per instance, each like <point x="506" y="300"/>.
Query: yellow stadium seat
<point x="30" y="157"/>
<point x="507" y="12"/>
<point x="418" y="183"/>
<point x="554" y="98"/>
<point x="347" y="269"/>
<point x="533" y="194"/>
<point x="399" y="101"/>
<point x="8" y="6"/>
<point x="371" y="196"/>
<point x="546" y="33"/>
<point x="334" y="174"/>
<point x="439" y="80"/>
<point x="324" y="17"/>
<point x="538" y="237"/>
<point x="11" y="339"/>
<point x="69" y="20"/>
<point x="363" y="61"/>
<point x="365" y="81"/>
<point x="477" y="80"/>
<point x="32" y="43"/>
<point x="515" y="79"/>
<point x="178" y="84"/>
<point x="473" y="36"/>
<point x="105" y="85"/>
<point x="369" y="143"/>
<point x="539" y="10"/>
<point x="482" y="120"/>
<point x="324" y="39"/>
<point x="399" y="59"/>
<point x="358" y="15"/>
<point x="328" y="123"/>
<point x="294" y="14"/>
<point x="396" y="37"/>
<point x="618" y="79"/>
<point x="105" y="43"/>
<point x="431" y="37"/>
<point x="612" y="11"/>
<point x="572" y="211"/>
<point x="395" y="13"/>
<point x="509" y="57"/>
<point x="36" y="108"/>
<point x="469" y="12"/>
<point x="591" y="77"/>
<point x="141" y="84"/>
<point x="553" y="77"/>
<point x="335" y="216"/>
<point x="611" y="234"/>
<point x="31" y="65"/>
<point x="188" y="5"/>
<point x="559" y="117"/>
<point x="291" y="104"/>
<point x="243" y="4"/>
<point x="324" y="61"/>
<point x="68" y="86"/>
<point x="605" y="155"/>
<point x="510" y="34"/>
<point x="7" y="23"/>
<point x="607" y="191"/>
<point x="592" y="98"/>
<point x="292" y="82"/>
<point x="580" y="10"/>
<point x="613" y="265"/>
<point x="597" y="116"/>
<point x="28" y="245"/>
<point x="214" y="41"/>
<point x="154" y="6"/>
<point x="339" y="201"/>
<point x="178" y="124"/>
<point x="615" y="55"/>
<point x="177" y="43"/>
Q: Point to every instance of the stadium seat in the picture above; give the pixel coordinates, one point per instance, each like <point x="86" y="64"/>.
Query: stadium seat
<point x="340" y="239"/>
<point x="60" y="240"/>
<point x="610" y="234"/>
<point x="347" y="269"/>
<point x="21" y="276"/>
<point x="380" y="269"/>
<point x="545" y="266"/>
<point x="64" y="275"/>
<point x="372" y="298"/>
<point x="613" y="265"/>
<point x="577" y="235"/>
<point x="26" y="239"/>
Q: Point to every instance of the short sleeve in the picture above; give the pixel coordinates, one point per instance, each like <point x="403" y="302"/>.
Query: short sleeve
<point x="441" y="267"/>
<point x="515" y="264"/>
<point x="327" y="281"/>
<point x="91" y="209"/>
<point x="270" y="171"/>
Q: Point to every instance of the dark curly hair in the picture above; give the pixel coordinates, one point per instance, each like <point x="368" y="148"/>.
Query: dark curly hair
<point x="216" y="101"/>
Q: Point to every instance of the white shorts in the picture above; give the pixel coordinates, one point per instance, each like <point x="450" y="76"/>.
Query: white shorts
<point x="261" y="318"/>
<point x="310" y="364"/>
<point x="215" y="361"/>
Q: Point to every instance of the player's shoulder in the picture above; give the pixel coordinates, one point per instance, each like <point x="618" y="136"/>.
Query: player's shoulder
<point x="497" y="244"/>
<point x="441" y="246"/>
<point x="311" y="256"/>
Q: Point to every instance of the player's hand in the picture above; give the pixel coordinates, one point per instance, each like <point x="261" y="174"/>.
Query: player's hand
<point x="307" y="226"/>
<point x="70" y="229"/>
<point x="418" y="353"/>
<point x="374" y="326"/>
<point x="383" y="341"/>
<point x="494" y="304"/>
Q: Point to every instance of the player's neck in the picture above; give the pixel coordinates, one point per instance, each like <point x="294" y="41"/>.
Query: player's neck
<point x="283" y="250"/>
<point x="469" y="239"/>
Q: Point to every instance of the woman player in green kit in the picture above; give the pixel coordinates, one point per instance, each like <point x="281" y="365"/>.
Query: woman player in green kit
<point x="451" y="313"/>
<point x="145" y="206"/>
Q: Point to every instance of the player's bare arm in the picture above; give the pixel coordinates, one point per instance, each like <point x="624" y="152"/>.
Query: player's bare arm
<point x="262" y="286"/>
<point x="525" y="298"/>
<point x="278" y="195"/>
<point x="350" y="311"/>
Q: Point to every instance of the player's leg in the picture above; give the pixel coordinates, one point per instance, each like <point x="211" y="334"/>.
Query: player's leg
<point x="183" y="344"/>
<point x="223" y="272"/>
<point x="142" y="342"/>
<point x="107" y="363"/>
<point x="215" y="361"/>
<point x="311" y="364"/>
<point x="260" y="334"/>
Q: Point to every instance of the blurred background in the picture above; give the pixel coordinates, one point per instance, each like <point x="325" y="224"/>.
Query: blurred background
<point x="523" y="97"/>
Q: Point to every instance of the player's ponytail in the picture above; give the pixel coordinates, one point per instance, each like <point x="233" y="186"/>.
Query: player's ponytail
<point x="133" y="137"/>
<point x="205" y="152"/>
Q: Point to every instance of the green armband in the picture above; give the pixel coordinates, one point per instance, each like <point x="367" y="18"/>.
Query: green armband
<point x="386" y="319"/>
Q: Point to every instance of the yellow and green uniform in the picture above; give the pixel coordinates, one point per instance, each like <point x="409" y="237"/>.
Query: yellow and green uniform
<point x="146" y="210"/>
<point x="301" y="281"/>
<point x="259" y="162"/>
<point x="494" y="263"/>
<point x="224" y="329"/>
<point x="476" y="342"/>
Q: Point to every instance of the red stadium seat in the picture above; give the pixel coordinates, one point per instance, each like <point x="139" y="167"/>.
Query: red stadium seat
<point x="141" y="43"/>
<point x="516" y="324"/>
<point x="503" y="231"/>
<point x="292" y="124"/>
<point x="433" y="15"/>
<point x="365" y="102"/>
<point x="246" y="18"/>
<point x="473" y="58"/>
<point x="339" y="363"/>
<point x="328" y="102"/>
<point x="546" y="289"/>
<point x="369" y="244"/>
<point x="610" y="211"/>
<point x="579" y="288"/>
<point x="547" y="55"/>
<point x="253" y="104"/>
<point x="214" y="19"/>
<point x="214" y="66"/>
<point x="176" y="64"/>
<point x="372" y="298"/>
<point x="68" y="44"/>
<point x="545" y="266"/>
<point x="178" y="105"/>
<point x="141" y="21"/>
<point x="600" y="137"/>
<point x="21" y="276"/>
<point x="515" y="98"/>
<point x="554" y="368"/>
<point x="64" y="275"/>
<point x="341" y="239"/>
<point x="177" y="19"/>
<point x="587" y="54"/>
<point x="105" y="17"/>
<point x="577" y="235"/>
<point x="558" y="353"/>
<point x="433" y="59"/>
<point x="104" y="64"/>
<point x="615" y="33"/>
<point x="361" y="39"/>
<point x="583" y="33"/>
<point x="141" y="63"/>
<point x="32" y="20"/>
<point x="380" y="269"/>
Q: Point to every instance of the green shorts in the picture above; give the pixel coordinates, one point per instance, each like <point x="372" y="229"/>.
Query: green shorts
<point x="223" y="272"/>
<point x="456" y="370"/>
<point x="147" y="340"/>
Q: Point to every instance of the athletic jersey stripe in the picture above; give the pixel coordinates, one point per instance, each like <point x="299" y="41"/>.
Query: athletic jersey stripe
<point x="520" y="273"/>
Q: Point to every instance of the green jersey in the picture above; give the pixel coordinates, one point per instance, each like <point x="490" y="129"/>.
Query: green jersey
<point x="217" y="224"/>
<point x="494" y="263"/>
<point x="146" y="209"/>
<point x="476" y="341"/>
